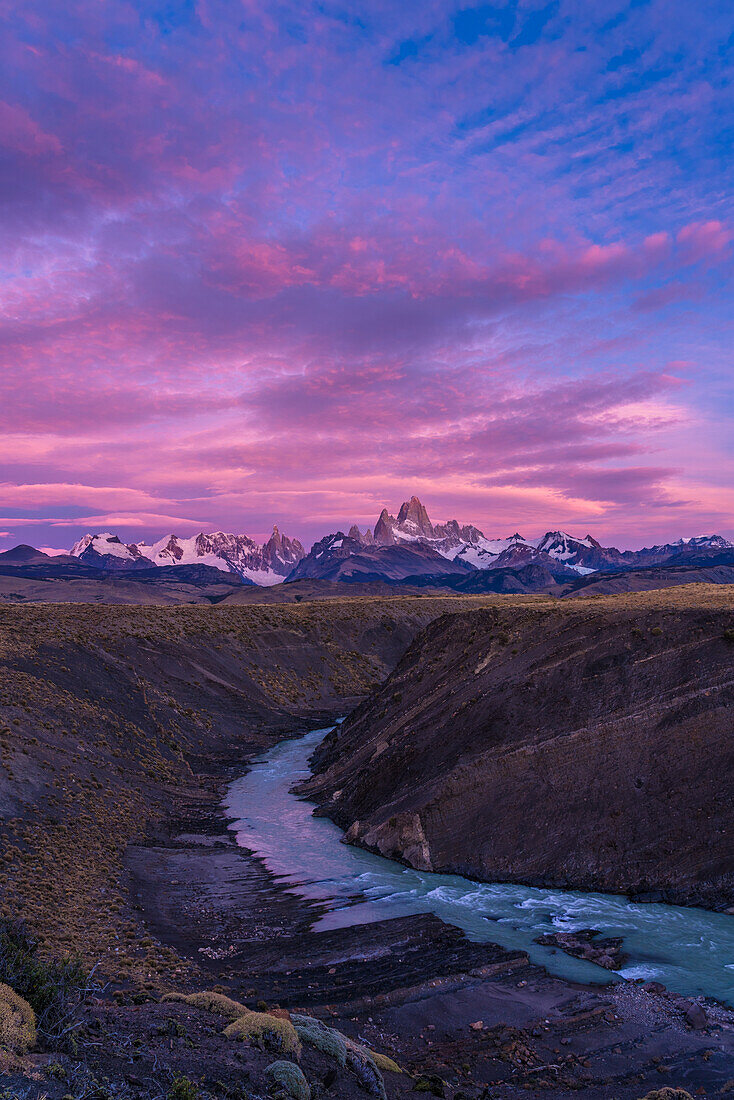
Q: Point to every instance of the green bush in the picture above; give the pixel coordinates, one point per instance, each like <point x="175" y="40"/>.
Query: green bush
<point x="210" y="1001"/>
<point x="430" y="1083"/>
<point x="317" y="1034"/>
<point x="54" y="988"/>
<point x="183" y="1089"/>
<point x="259" y="1028"/>
<point x="290" y="1078"/>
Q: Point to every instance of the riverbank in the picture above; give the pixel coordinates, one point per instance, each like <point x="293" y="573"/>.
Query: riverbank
<point x="459" y="1017"/>
<point x="470" y="1014"/>
<point x="687" y="949"/>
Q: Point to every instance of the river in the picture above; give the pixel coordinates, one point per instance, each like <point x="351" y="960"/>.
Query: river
<point x="689" y="950"/>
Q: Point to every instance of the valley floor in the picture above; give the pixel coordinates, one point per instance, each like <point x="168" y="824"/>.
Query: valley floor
<point x="464" y="1020"/>
<point x="416" y="988"/>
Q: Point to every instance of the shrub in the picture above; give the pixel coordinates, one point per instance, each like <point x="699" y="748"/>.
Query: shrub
<point x="290" y="1078"/>
<point x="17" y="1022"/>
<point x="668" y="1094"/>
<point x="183" y="1088"/>
<point x="326" y="1039"/>
<point x="383" y="1063"/>
<point x="271" y="1031"/>
<point x="364" y="1068"/>
<point x="332" y="1043"/>
<point x="209" y="1001"/>
<point x="55" y="989"/>
<point x="430" y="1083"/>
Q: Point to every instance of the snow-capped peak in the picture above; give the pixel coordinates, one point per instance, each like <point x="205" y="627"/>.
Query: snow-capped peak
<point x="704" y="542"/>
<point x="561" y="545"/>
<point x="413" y="525"/>
<point x="264" y="565"/>
<point x="464" y="544"/>
<point x="105" y="543"/>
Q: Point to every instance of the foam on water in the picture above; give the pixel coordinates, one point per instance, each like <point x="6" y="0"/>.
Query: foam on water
<point x="689" y="950"/>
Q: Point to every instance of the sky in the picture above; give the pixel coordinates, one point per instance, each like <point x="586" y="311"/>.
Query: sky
<point x="270" y="262"/>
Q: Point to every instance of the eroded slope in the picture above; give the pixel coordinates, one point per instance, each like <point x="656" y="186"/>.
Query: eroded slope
<point x="587" y="744"/>
<point x="104" y="711"/>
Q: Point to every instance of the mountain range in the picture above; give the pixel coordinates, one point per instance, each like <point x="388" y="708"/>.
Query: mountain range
<point x="403" y="548"/>
<point x="268" y="564"/>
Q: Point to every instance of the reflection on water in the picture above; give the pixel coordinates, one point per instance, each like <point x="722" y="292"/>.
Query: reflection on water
<point x="689" y="950"/>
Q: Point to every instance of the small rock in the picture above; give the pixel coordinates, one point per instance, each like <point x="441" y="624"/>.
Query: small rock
<point x="478" y="1025"/>
<point x="695" y="1016"/>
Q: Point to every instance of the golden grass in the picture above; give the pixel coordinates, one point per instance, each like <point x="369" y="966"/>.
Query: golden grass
<point x="17" y="1023"/>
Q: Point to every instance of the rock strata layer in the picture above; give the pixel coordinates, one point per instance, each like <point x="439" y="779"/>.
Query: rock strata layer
<point x="588" y="745"/>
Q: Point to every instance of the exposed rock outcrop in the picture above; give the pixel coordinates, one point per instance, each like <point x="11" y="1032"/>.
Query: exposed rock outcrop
<point x="340" y="557"/>
<point x="587" y="943"/>
<point x="586" y="744"/>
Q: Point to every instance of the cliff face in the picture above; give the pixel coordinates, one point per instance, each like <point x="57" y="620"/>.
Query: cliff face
<point x="588" y="744"/>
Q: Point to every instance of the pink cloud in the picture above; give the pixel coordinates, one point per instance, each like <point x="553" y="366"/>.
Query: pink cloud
<point x="148" y="520"/>
<point x="23" y="134"/>
<point x="48" y="493"/>
<point x="704" y="240"/>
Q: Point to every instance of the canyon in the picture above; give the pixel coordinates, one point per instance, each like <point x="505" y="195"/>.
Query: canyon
<point x="122" y="727"/>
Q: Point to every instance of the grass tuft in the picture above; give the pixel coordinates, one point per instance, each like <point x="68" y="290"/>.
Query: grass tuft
<point x="290" y="1079"/>
<point x="209" y="1001"/>
<point x="17" y="1023"/>
<point x="270" y="1031"/>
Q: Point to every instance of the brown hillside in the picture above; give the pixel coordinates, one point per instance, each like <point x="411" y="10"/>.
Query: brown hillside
<point x="104" y="711"/>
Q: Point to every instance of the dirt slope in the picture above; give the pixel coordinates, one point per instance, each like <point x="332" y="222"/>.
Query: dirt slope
<point x="104" y="710"/>
<point x="587" y="744"/>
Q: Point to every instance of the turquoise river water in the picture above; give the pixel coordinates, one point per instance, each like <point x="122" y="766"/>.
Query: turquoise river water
<point x="690" y="951"/>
